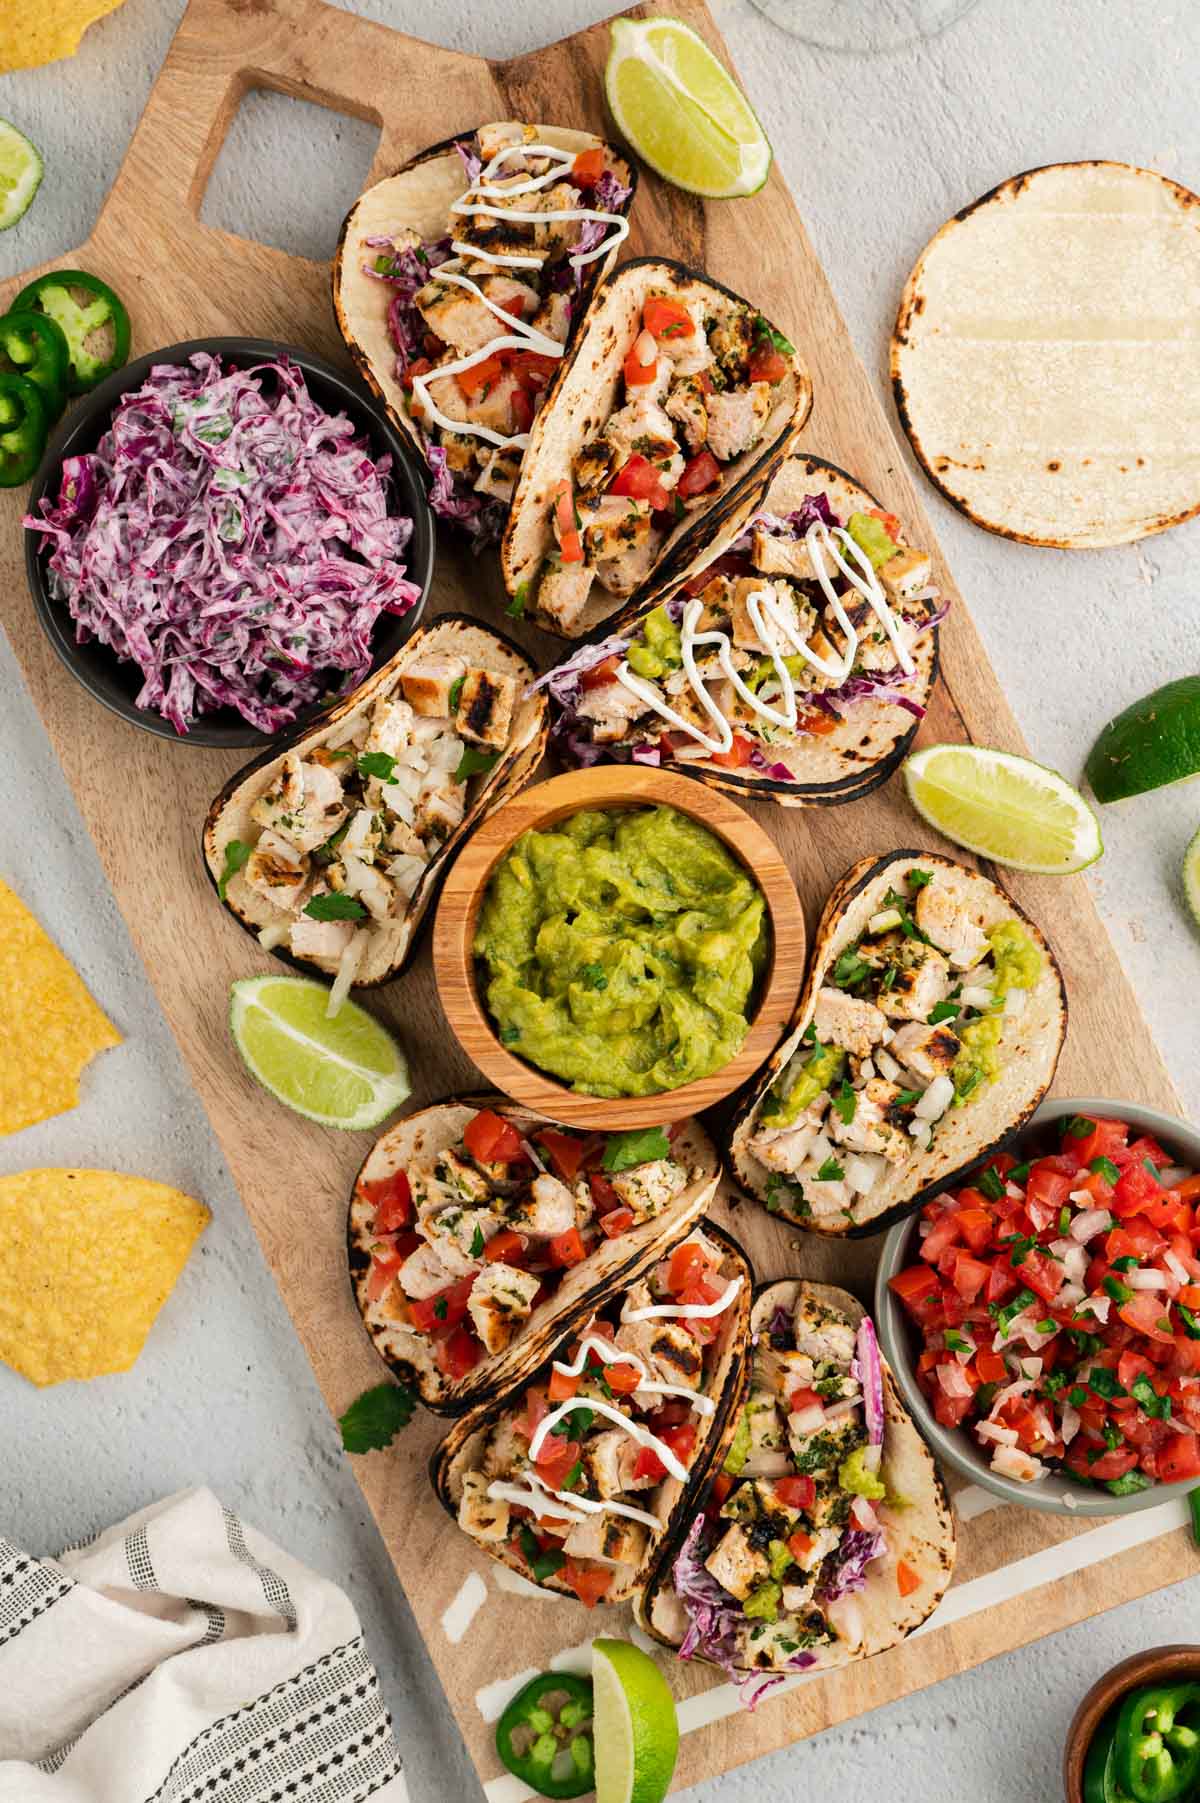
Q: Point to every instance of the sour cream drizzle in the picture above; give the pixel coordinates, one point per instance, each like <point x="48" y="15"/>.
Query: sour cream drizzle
<point x="687" y="1311"/>
<point x="544" y="1502"/>
<point x="520" y="335"/>
<point x="615" y="1355"/>
<point x="764" y="601"/>
<point x="634" y="1429"/>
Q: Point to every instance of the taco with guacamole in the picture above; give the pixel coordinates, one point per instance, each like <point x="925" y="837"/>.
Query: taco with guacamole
<point x="795" y="663"/>
<point x="927" y="1031"/>
<point x="575" y="1479"/>
<point x="827" y="1534"/>
<point x="458" y="283"/>
<point x="676" y="404"/>
<point x="479" y="1233"/>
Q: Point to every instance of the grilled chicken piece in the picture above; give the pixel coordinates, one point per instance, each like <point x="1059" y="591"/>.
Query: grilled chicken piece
<point x="277" y="871"/>
<point x="686" y="405"/>
<point x="304" y="804"/>
<point x="905" y="574"/>
<point x="735" y="419"/>
<point x="547" y="1210"/>
<point x="731" y="339"/>
<point x="471" y="1184"/>
<point x="498" y="475"/>
<point x="553" y="317"/>
<point x="643" y="428"/>
<point x="501" y="1300"/>
<point x="323" y="940"/>
<point x="611" y="708"/>
<point x="942" y="911"/>
<point x="746" y="636"/>
<point x="562" y="592"/>
<point x="601" y="1460"/>
<point x="781" y="556"/>
<point x="820" y="1333"/>
<point x="454" y="1234"/>
<point x="844" y="1021"/>
<point x="424" y="1273"/>
<point x="609" y="1538"/>
<point x="506" y="1452"/>
<point x="391" y="726"/>
<point x="870" y="1130"/>
<point x="502" y="134"/>
<point x="781" y="1371"/>
<point x="439" y="811"/>
<point x="922" y="980"/>
<point x="736" y="1565"/>
<point x="648" y="1188"/>
<point x="482" y="1516"/>
<point x="612" y="525"/>
<point x="927" y="1052"/>
<point x="594" y="465"/>
<point x="485" y="707"/>
<point x="622" y="574"/>
<point x="667" y="1347"/>
<point x="460" y="319"/>
<point x="427" y="684"/>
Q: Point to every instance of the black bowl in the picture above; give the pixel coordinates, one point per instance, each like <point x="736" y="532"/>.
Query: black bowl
<point x="115" y="682"/>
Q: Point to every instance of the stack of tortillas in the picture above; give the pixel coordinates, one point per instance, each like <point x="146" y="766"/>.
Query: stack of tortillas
<point x="1046" y="357"/>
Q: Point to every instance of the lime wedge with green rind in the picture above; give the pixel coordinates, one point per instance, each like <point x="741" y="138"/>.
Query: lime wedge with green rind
<point x="1191" y="876"/>
<point x="682" y="111"/>
<point x="347" y="1072"/>
<point x="1003" y="807"/>
<point x="21" y="171"/>
<point x="635" y="1727"/>
<point x="1153" y="743"/>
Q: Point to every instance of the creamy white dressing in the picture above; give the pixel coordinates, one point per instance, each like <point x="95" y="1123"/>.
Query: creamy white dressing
<point x="615" y="1355"/>
<point x="760" y="601"/>
<point x="686" y="1311"/>
<point x="559" y="1505"/>
<point x="641" y="1435"/>
<point x="520" y="335"/>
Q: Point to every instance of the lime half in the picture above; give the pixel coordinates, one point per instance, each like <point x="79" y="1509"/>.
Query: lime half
<point x="20" y="174"/>
<point x="1004" y="807"/>
<point x="634" y="1726"/>
<point x="1191" y="876"/>
<point x="1153" y="743"/>
<point x="682" y="111"/>
<point x="345" y="1072"/>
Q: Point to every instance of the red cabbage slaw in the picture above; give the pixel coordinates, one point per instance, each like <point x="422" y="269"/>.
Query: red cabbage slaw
<point x="231" y="539"/>
<point x="715" y="1618"/>
<point x="572" y="734"/>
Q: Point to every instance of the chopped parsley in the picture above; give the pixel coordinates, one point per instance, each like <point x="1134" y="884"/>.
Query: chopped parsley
<point x="516" y="607"/>
<point x="1191" y="1326"/>
<point x="473" y="763"/>
<point x="1103" y="1382"/>
<point x="374" y="1420"/>
<point x="763" y="329"/>
<point x="1148" y="1399"/>
<point x="845" y="1102"/>
<point x="1079" y="1126"/>
<point x="624" y="1150"/>
<point x="335" y="906"/>
<point x="830" y="1172"/>
<point x="477" y="1243"/>
<point x="1019" y="1173"/>
<point x="236" y="854"/>
<point x="851" y="969"/>
<point x="593" y="976"/>
<point x="907" y="1097"/>
<point x="377" y="763"/>
<point x="1007" y="1315"/>
<point x="456" y="689"/>
<point x="943" y="1011"/>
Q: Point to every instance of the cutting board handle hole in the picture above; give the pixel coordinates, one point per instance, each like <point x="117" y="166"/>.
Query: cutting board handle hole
<point x="288" y="171"/>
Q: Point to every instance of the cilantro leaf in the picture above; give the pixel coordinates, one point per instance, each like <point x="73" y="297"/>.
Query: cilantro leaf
<point x="991" y="1184"/>
<point x="845" y="1102"/>
<point x="335" y="906"/>
<point x="377" y="763"/>
<point x="850" y="969"/>
<point x="943" y="1011"/>
<point x="477" y="1243"/>
<point x="830" y="1172"/>
<point x="474" y="763"/>
<point x="764" y="329"/>
<point x="593" y="976"/>
<point x="236" y="854"/>
<point x="624" y="1150"/>
<point x="516" y="607"/>
<point x="456" y="689"/>
<point x="376" y="1418"/>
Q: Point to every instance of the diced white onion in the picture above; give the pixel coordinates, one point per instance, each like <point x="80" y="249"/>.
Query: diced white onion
<point x="1009" y="1393"/>
<point x="838" y="1411"/>
<point x="889" y="1033"/>
<point x="1087" y="1225"/>
<point x="1073" y="1257"/>
<point x="1096" y="1305"/>
<point x="1070" y="1295"/>
<point x="1172" y="1174"/>
<point x="270" y="937"/>
<point x="922" y="1132"/>
<point x="1070" y="1424"/>
<point x="862" y="1173"/>
<point x="936" y="1100"/>
<point x="1146" y="1280"/>
<point x="866" y="1070"/>
<point x="645" y="349"/>
<point x="953" y="1379"/>
<point x="884" y="921"/>
<point x="820" y="1149"/>
<point x="992" y="1430"/>
<point x="871" y="1457"/>
<point x="863" y="1515"/>
<point x="974" y="996"/>
<point x="1176" y="1267"/>
<point x="925" y="1229"/>
<point x="347" y="970"/>
<point x="1011" y="1461"/>
<point x="887" y="1065"/>
<point x="1015" y="1002"/>
<point x="1031" y="1367"/>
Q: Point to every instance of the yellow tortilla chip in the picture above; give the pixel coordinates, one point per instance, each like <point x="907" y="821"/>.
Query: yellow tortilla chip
<point x="49" y="1025"/>
<point x="87" y="1259"/>
<point x="33" y="32"/>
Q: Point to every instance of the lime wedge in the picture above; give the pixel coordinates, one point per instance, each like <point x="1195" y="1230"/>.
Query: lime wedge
<point x="20" y="174"/>
<point x="1004" y="807"/>
<point x="1153" y="743"/>
<point x="634" y="1725"/>
<point x="682" y="111"/>
<point x="1191" y="876"/>
<point x="345" y="1072"/>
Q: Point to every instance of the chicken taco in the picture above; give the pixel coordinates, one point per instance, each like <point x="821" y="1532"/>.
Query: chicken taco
<point x="457" y="284"/>
<point x="331" y="850"/>
<point x="480" y="1232"/>
<point x="796" y="662"/>
<point x="575" y="1480"/>
<point x="927" y="1031"/>
<point x="676" y="404"/>
<point x="827" y="1535"/>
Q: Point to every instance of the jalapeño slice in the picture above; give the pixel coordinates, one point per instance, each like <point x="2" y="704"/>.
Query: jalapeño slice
<point x="99" y="312"/>
<point x="545" y="1735"/>
<point x="23" y="429"/>
<point x="32" y="345"/>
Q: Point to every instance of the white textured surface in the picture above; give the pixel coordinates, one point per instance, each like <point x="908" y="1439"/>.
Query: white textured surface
<point x="878" y="153"/>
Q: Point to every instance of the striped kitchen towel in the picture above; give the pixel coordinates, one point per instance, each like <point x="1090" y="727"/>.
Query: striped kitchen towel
<point x="181" y="1658"/>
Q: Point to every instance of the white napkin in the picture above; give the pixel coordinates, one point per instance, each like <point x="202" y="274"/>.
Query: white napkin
<point x="181" y="1658"/>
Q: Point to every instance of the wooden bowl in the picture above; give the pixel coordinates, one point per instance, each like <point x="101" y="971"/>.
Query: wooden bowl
<point x="1160" y="1665"/>
<point x="543" y="805"/>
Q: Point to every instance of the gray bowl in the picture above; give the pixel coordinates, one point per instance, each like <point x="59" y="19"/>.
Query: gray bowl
<point x="899" y="1340"/>
<point x="115" y="681"/>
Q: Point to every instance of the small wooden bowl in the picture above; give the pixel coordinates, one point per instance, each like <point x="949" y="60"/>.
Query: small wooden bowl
<point x="1160" y="1665"/>
<point x="543" y="805"/>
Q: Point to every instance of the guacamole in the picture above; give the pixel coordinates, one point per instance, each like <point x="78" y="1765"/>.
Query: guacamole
<point x="620" y="951"/>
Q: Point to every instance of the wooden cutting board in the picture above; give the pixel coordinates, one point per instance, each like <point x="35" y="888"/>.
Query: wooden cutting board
<point x="1020" y="1574"/>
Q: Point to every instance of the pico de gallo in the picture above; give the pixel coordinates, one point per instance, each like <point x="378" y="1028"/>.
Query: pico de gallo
<point x="467" y="1238"/>
<point x="568" y="1484"/>
<point x="1058" y="1300"/>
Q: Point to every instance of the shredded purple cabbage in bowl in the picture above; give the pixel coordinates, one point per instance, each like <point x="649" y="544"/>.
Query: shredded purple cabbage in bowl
<point x="230" y="538"/>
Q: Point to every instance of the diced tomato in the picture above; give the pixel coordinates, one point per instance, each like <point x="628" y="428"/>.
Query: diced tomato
<point x="700" y="473"/>
<point x="382" y="1274"/>
<point x="505" y="1248"/>
<point x="391" y="1198"/>
<point x="1106" y="1139"/>
<point x="907" y="1579"/>
<point x="623" y="1380"/>
<point x="1096" y="1187"/>
<point x="796" y="1492"/>
<point x="641" y="480"/>
<point x="688" y="1265"/>
<point x="1047" y="1187"/>
<point x="800" y="1545"/>
<point x="567" y="1249"/>
<point x="1112" y="1463"/>
<point x="481" y="375"/>
<point x="556" y="1459"/>
<point x="564" y="1150"/>
<point x="1131" y="1365"/>
<point x="722" y="1484"/>
<point x="1186" y="1361"/>
<point x="490" y="1139"/>
<point x="521" y="406"/>
<point x="1135" y="1188"/>
<point x="943" y="1233"/>
<point x="533" y="369"/>
<point x="974" y="1222"/>
<point x="1043" y="1275"/>
<point x="535" y="1413"/>
<point x="667" y="318"/>
<point x="1002" y="1282"/>
<point x="638" y="374"/>
<point x="1189" y="1295"/>
<point x="1179" y="1459"/>
<point x="737" y="756"/>
<point x="990" y="1367"/>
<point x="914" y="1286"/>
<point x="951" y="1411"/>
<point x="599" y="675"/>
<point x="616" y="1222"/>
<point x="1189" y="1189"/>
<point x="730" y="563"/>
<point x="818" y="721"/>
<point x="603" y="1194"/>
<point x="1133" y="1239"/>
<point x="457" y="1354"/>
<point x="970" y="1275"/>
<point x="891" y="525"/>
<point x="803" y="1398"/>
<point x="588" y="167"/>
<point x="570" y="543"/>
<point x="420" y="366"/>
<point x="563" y="1385"/>
<point x="681" y="1441"/>
<point x="440" y="1313"/>
<point x="590" y="1584"/>
<point x="766" y="363"/>
<point x="704" y="1328"/>
<point x="1146" y="1312"/>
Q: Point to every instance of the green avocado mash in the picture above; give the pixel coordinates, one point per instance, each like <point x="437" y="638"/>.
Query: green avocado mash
<point x="764" y="1602"/>
<point x="660" y="647"/>
<point x="822" y="1068"/>
<point x="854" y="1477"/>
<point x="621" y="950"/>
<point x="872" y="538"/>
<point x="1018" y="965"/>
<point x="1017" y="959"/>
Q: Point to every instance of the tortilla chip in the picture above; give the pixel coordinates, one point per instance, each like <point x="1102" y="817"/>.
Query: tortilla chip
<point x="87" y="1259"/>
<point x="42" y="31"/>
<point x="49" y="1024"/>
